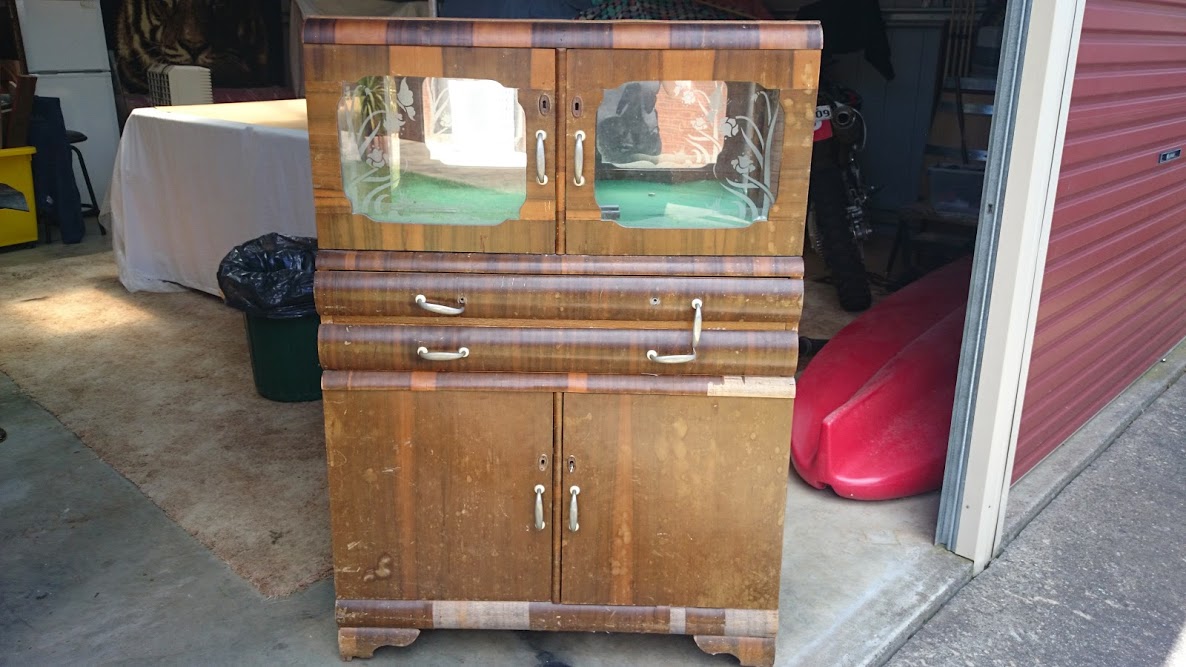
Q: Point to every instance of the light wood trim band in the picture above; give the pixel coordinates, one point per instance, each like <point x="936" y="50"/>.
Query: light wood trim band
<point x="425" y="614"/>
<point x="573" y="383"/>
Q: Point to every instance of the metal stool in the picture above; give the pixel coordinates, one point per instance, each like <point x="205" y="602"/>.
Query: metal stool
<point x="76" y="137"/>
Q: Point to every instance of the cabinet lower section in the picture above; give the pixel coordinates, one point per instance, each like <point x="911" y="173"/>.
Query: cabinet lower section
<point x="365" y="625"/>
<point x="558" y="502"/>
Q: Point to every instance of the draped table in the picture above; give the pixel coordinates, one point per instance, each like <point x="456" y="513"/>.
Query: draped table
<point x="192" y="182"/>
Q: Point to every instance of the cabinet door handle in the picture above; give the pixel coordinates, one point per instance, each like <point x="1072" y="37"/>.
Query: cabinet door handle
<point x="423" y="353"/>
<point x="437" y="308"/>
<point x="541" y="175"/>
<point x="539" y="507"/>
<point x="697" y="323"/>
<point x="578" y="159"/>
<point x="573" y="524"/>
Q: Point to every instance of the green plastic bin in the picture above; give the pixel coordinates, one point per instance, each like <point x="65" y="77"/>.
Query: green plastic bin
<point x="284" y="357"/>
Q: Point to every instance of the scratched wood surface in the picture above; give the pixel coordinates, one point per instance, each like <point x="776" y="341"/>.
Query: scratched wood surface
<point x="538" y="350"/>
<point x="432" y="494"/>
<point x="681" y="500"/>
<point x="511" y="296"/>
<point x="461" y="614"/>
<point x="577" y="383"/>
<point x="750" y="651"/>
<point x="369" y="624"/>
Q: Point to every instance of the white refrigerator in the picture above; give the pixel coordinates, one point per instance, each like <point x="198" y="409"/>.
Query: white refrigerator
<point x="66" y="50"/>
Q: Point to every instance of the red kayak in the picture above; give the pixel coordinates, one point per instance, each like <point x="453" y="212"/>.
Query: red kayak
<point x="873" y="408"/>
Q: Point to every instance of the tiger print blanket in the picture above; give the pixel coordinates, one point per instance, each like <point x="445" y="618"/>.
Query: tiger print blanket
<point x="229" y="37"/>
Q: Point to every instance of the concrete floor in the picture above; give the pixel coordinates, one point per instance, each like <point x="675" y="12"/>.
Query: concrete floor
<point x="93" y="572"/>
<point x="1098" y="578"/>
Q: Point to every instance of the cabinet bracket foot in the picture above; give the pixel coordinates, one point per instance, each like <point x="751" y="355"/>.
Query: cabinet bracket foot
<point x="362" y="642"/>
<point x="751" y="651"/>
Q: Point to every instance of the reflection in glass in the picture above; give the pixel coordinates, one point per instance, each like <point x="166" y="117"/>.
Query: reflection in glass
<point x="432" y="150"/>
<point x="687" y="154"/>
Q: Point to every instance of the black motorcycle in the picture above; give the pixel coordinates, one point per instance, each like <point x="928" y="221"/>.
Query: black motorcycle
<point x="837" y="196"/>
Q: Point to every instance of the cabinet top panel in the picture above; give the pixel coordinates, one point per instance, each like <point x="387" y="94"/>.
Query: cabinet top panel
<point x="509" y="33"/>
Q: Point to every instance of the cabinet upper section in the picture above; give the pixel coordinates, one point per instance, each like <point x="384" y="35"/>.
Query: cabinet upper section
<point x="581" y="137"/>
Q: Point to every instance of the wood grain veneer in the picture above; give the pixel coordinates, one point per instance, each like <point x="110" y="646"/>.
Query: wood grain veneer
<point x="552" y="264"/>
<point x="432" y="494"/>
<point x="576" y="383"/>
<point x="529" y="350"/>
<point x="544" y="297"/>
<point x="763" y="35"/>
<point x="450" y="481"/>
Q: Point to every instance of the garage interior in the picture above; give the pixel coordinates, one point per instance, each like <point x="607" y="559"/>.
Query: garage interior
<point x="158" y="414"/>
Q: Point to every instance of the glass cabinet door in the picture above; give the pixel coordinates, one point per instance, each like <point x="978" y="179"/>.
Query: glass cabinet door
<point x="687" y="152"/>
<point x="434" y="148"/>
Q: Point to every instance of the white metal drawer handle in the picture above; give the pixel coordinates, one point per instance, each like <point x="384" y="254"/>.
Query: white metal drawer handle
<point x="539" y="507"/>
<point x="697" y="322"/>
<point x="423" y="353"/>
<point x="437" y="308"/>
<point x="578" y="159"/>
<point x="540" y="176"/>
<point x="573" y="525"/>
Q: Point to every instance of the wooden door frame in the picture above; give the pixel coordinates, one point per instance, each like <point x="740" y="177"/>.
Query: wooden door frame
<point x="1041" y="46"/>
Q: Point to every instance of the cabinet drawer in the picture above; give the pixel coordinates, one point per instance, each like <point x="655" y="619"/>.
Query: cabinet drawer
<point x="556" y="297"/>
<point x="625" y="351"/>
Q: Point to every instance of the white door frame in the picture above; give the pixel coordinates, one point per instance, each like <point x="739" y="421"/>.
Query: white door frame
<point x="1041" y="46"/>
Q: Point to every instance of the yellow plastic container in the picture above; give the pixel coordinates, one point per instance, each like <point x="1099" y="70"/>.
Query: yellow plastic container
<point x="16" y="170"/>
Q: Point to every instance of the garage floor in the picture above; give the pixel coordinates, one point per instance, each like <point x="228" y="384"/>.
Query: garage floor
<point x="91" y="571"/>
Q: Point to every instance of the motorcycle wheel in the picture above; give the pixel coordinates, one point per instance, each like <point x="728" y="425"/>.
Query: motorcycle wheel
<point x="833" y="240"/>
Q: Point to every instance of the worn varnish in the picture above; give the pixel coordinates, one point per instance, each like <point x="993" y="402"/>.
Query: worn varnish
<point x="451" y="480"/>
<point x="574" y="383"/>
<point x="642" y="464"/>
<point x="433" y="496"/>
<point x="663" y="619"/>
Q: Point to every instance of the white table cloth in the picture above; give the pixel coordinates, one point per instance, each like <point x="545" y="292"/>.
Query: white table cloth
<point x="192" y="182"/>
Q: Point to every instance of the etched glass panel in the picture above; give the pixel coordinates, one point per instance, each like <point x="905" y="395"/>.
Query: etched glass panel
<point x="435" y="151"/>
<point x="688" y="154"/>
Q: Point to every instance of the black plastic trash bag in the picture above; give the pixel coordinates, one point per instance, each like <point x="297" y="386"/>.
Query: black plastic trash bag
<point x="271" y="276"/>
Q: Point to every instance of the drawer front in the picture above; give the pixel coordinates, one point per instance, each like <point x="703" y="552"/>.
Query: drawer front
<point x="602" y="351"/>
<point x="554" y="297"/>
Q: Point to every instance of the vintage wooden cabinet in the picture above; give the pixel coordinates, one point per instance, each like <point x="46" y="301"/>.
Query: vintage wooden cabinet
<point x="560" y="292"/>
